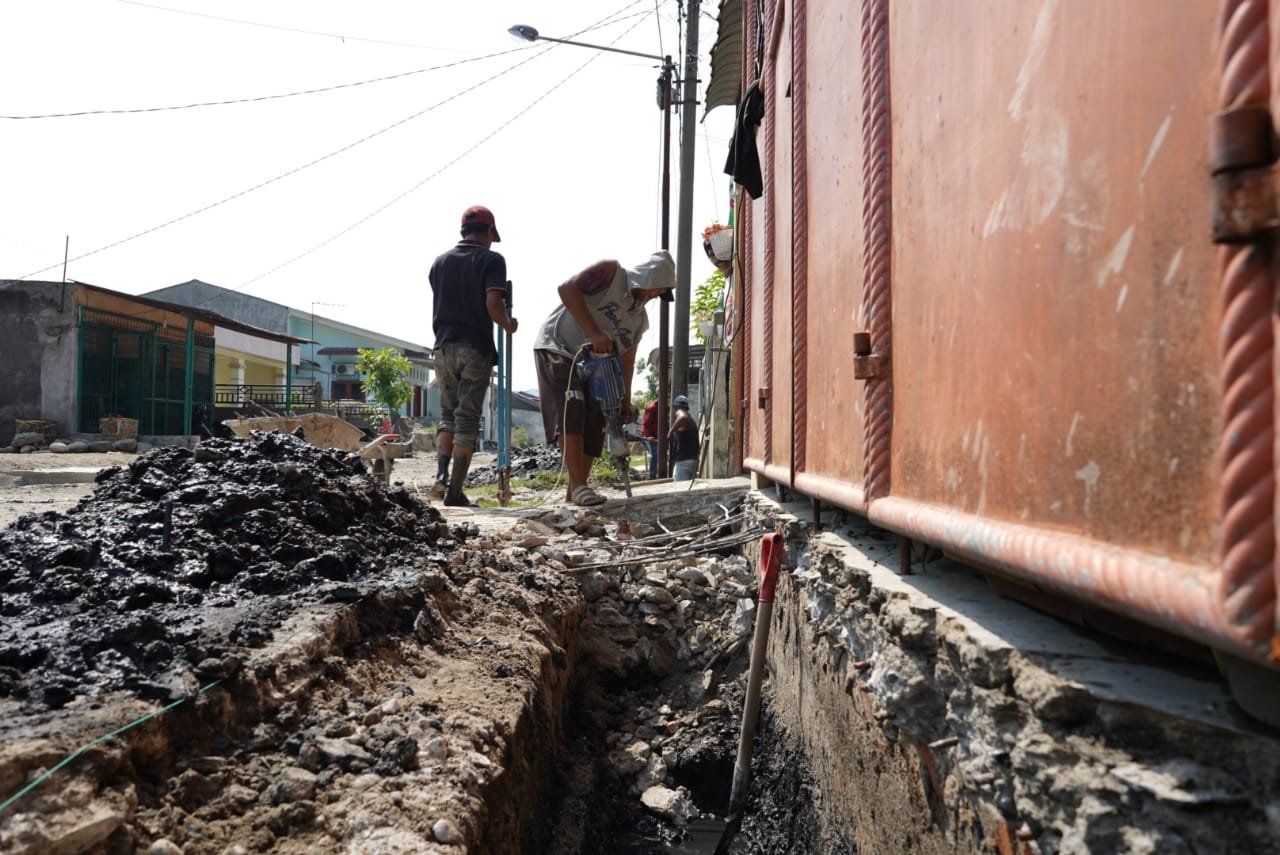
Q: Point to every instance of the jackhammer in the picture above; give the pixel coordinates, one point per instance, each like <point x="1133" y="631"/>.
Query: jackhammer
<point x="602" y="378"/>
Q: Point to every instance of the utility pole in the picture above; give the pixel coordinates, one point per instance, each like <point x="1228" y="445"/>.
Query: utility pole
<point x="684" y="235"/>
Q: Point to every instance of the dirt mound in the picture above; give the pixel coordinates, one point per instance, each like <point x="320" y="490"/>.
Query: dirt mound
<point x="174" y="558"/>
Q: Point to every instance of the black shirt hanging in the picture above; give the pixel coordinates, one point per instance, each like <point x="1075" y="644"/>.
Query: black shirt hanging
<point x="744" y="158"/>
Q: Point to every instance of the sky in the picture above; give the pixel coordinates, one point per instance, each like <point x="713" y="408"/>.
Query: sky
<point x="337" y="202"/>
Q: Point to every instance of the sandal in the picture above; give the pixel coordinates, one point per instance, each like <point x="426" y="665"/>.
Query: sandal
<point x="586" y="497"/>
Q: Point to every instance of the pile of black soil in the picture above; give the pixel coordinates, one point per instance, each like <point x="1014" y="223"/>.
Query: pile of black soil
<point x="524" y="463"/>
<point x="780" y="814"/>
<point x="184" y="556"/>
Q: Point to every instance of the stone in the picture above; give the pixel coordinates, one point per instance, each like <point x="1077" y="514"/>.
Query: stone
<point x="129" y="445"/>
<point x="343" y="754"/>
<point x="144" y="447"/>
<point x="28" y="437"/>
<point x="594" y="585"/>
<point x="59" y="447"/>
<point x="744" y="617"/>
<point x="1053" y="698"/>
<point x="164" y="846"/>
<point x="657" y="596"/>
<point x="293" y="785"/>
<point x="693" y="576"/>
<point x="673" y="805"/>
<point x="444" y="831"/>
<point x="27" y="449"/>
<point x="436" y="749"/>
<point x="88" y="831"/>
<point x="100" y="446"/>
<point x="78" y="446"/>
<point x="366" y="781"/>
<point x="653" y="774"/>
<point x="8" y="449"/>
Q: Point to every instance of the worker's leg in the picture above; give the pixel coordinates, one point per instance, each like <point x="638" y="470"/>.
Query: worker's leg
<point x="575" y="462"/>
<point x="473" y="383"/>
<point x="447" y="374"/>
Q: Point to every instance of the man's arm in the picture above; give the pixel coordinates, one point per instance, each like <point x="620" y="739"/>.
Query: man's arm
<point x="590" y="281"/>
<point x="497" y="309"/>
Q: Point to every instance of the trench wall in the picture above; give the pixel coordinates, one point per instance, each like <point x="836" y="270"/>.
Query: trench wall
<point x="939" y="718"/>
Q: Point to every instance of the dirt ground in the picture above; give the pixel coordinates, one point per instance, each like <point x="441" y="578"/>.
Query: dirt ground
<point x="310" y="663"/>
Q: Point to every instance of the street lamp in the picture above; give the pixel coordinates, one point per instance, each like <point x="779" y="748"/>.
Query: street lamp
<point x="531" y="34"/>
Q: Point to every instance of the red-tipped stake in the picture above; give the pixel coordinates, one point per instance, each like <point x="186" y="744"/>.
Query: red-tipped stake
<point x="771" y="553"/>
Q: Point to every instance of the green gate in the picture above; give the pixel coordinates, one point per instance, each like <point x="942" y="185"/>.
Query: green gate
<point x="141" y="370"/>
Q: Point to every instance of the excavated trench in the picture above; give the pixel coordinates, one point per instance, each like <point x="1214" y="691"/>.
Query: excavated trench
<point x="253" y="646"/>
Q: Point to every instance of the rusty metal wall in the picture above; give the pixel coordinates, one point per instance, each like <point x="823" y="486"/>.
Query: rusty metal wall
<point x="780" y="415"/>
<point x="1054" y="331"/>
<point x="833" y="425"/>
<point x="1053" y="389"/>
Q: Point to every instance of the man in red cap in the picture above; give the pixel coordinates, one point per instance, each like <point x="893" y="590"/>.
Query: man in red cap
<point x="468" y="284"/>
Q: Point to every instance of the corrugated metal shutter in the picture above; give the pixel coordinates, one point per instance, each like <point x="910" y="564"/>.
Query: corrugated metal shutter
<point x="726" y="59"/>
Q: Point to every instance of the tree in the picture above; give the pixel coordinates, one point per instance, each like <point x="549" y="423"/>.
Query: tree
<point x="641" y="397"/>
<point x="706" y="302"/>
<point x="386" y="374"/>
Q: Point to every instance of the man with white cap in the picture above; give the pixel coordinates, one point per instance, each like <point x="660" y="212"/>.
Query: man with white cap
<point x="468" y="284"/>
<point x="602" y="306"/>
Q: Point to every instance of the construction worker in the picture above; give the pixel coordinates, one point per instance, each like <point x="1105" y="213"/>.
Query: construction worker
<point x="649" y="436"/>
<point x="601" y="305"/>
<point x="468" y="284"/>
<point x="682" y="439"/>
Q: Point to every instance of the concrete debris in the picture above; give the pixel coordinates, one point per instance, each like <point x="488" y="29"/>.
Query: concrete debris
<point x="672" y="805"/>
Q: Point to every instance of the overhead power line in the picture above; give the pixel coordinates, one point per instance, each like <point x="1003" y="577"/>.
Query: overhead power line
<point x="459" y="157"/>
<point x="608" y="19"/>
<point x="296" y="169"/>
<point x="275" y="97"/>
<point x="340" y="36"/>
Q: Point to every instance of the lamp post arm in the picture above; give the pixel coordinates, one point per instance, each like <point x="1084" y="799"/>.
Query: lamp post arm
<point x="652" y="56"/>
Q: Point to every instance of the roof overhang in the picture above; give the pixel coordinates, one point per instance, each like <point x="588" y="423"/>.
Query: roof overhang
<point x="725" y="84"/>
<point x="199" y="314"/>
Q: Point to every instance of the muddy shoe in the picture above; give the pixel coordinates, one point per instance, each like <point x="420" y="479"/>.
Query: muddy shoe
<point x="437" y="491"/>
<point x="457" y="500"/>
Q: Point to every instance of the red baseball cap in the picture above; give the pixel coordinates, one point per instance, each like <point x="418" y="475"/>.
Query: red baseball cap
<point x="482" y="215"/>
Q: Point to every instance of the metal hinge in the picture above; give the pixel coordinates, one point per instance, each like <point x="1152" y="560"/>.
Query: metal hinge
<point x="867" y="365"/>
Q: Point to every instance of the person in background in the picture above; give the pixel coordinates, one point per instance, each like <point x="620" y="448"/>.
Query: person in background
<point x="602" y="306"/>
<point x="200" y="423"/>
<point x="468" y="284"/>
<point x="683" y="441"/>
<point x="649" y="436"/>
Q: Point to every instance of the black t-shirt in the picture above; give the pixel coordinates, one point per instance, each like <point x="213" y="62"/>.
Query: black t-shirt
<point x="685" y="446"/>
<point x="459" y="281"/>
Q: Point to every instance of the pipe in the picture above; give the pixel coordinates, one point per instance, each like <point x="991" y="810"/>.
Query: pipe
<point x="771" y="553"/>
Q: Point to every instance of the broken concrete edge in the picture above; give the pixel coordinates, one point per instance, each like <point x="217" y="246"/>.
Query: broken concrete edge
<point x="79" y="806"/>
<point x="940" y="715"/>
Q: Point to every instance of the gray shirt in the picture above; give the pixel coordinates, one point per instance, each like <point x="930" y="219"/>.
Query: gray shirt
<point x="618" y="314"/>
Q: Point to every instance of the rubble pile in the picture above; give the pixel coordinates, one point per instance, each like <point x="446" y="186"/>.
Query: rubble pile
<point x="524" y="463"/>
<point x="184" y="554"/>
<point x="668" y="642"/>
